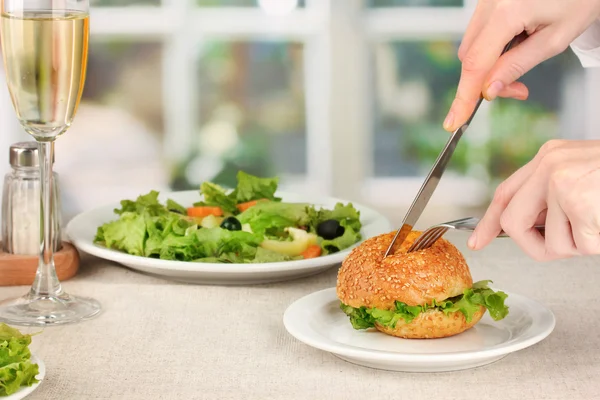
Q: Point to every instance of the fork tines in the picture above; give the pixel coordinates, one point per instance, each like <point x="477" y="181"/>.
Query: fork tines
<point x="428" y="238"/>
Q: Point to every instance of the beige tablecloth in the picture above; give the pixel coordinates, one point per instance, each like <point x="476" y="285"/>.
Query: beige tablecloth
<point x="162" y="340"/>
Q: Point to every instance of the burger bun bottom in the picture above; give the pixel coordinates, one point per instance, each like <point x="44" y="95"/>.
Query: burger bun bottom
<point x="432" y="324"/>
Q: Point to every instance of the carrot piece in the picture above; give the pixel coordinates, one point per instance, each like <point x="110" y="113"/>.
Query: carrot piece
<point x="204" y="211"/>
<point x="244" y="206"/>
<point x="313" y="251"/>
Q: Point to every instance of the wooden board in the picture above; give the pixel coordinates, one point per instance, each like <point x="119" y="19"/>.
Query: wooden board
<point x="18" y="270"/>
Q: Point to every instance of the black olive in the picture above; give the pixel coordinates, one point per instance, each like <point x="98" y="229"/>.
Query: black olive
<point x="231" y="224"/>
<point x="330" y="229"/>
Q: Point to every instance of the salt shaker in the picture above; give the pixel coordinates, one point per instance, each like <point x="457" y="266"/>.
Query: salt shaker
<point x="21" y="203"/>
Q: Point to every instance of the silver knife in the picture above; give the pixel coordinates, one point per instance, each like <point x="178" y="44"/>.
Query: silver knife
<point x="432" y="180"/>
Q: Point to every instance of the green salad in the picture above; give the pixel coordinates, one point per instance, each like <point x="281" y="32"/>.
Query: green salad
<point x="247" y="224"/>
<point x="16" y="368"/>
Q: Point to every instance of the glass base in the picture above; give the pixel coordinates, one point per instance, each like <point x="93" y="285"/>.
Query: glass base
<point x="31" y="310"/>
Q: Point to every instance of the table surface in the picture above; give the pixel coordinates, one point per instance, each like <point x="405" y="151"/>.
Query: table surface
<point x="158" y="339"/>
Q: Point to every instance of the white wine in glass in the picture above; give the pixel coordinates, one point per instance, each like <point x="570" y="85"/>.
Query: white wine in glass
<point x="45" y="49"/>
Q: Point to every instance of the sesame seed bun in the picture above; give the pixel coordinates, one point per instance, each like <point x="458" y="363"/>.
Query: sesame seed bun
<point x="437" y="273"/>
<point x="432" y="324"/>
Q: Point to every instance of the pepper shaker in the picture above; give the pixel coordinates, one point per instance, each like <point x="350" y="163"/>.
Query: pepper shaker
<point x="21" y="203"/>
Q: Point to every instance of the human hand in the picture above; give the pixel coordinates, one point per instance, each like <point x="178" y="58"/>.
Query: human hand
<point x="551" y="25"/>
<point x="560" y="186"/>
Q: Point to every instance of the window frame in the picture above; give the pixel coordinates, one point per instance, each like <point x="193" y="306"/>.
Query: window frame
<point x="337" y="36"/>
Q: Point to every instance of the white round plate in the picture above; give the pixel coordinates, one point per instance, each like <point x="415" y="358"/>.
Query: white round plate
<point x="317" y="320"/>
<point x="26" y="391"/>
<point x="82" y="229"/>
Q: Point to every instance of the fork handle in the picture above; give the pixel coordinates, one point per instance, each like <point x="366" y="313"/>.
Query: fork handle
<point x="540" y="228"/>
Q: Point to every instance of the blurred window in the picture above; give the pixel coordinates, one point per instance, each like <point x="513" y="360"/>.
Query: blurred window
<point x="177" y="101"/>
<point x="250" y="112"/>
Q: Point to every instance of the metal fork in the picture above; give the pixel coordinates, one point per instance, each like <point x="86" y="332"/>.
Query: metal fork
<point x="432" y="234"/>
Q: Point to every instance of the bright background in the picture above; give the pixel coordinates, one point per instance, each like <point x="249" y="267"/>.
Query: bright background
<point x="339" y="97"/>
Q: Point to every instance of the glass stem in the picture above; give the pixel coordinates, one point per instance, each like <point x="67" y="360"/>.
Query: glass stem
<point x="46" y="283"/>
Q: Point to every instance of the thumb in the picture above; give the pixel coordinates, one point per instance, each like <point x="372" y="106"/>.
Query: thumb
<point x="516" y="62"/>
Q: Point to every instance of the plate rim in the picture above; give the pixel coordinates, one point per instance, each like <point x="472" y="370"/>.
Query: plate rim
<point x="338" y="348"/>
<point x="27" y="390"/>
<point x="87" y="245"/>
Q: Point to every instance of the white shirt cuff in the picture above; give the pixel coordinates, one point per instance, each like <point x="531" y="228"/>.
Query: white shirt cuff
<point x="587" y="46"/>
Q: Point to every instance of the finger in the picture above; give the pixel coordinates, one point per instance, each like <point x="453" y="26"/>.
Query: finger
<point x="541" y="219"/>
<point x="558" y="234"/>
<point x="478" y="21"/>
<point x="586" y="238"/>
<point x="580" y="205"/>
<point x="512" y="65"/>
<point x="489" y="227"/>
<point x="516" y="90"/>
<point x="519" y="218"/>
<point x="476" y="66"/>
<point x="518" y="221"/>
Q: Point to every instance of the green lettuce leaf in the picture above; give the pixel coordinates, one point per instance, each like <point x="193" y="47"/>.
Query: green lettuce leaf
<point x="178" y="247"/>
<point x="128" y="233"/>
<point x="202" y="244"/>
<point x="225" y="258"/>
<point x="175" y="207"/>
<point x="270" y="218"/>
<point x="215" y="242"/>
<point x="341" y="213"/>
<point x="260" y="256"/>
<point x="481" y="284"/>
<point x="494" y="302"/>
<point x="8" y="332"/>
<point x="143" y="202"/>
<point x="349" y="238"/>
<point x="16" y="375"/>
<point x="359" y="317"/>
<point x="157" y="228"/>
<point x="467" y="303"/>
<point x="16" y="369"/>
<point x="251" y="187"/>
<point x="266" y="256"/>
<point x="214" y="195"/>
<point x="481" y="295"/>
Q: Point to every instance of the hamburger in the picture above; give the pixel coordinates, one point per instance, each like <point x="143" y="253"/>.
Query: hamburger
<point x="424" y="294"/>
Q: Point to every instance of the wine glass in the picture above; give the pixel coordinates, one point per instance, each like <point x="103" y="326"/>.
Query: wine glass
<point x="45" y="50"/>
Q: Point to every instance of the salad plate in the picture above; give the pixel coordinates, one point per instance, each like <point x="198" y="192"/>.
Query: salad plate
<point x="83" y="229"/>
<point x="317" y="321"/>
<point x="27" y="390"/>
